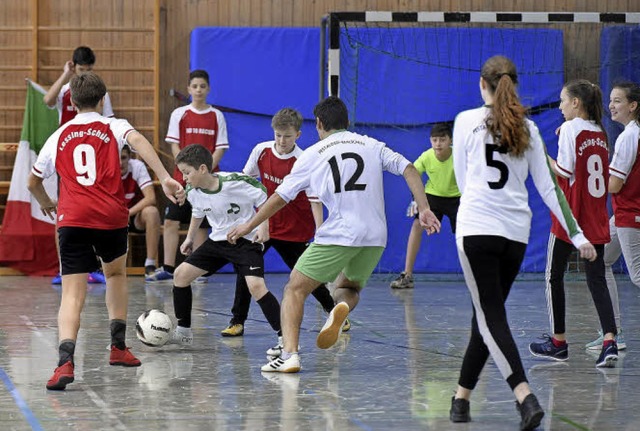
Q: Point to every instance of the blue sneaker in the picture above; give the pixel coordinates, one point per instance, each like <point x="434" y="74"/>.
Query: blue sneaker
<point x="96" y="278"/>
<point x="547" y="349"/>
<point x="159" y="275"/>
<point x="597" y="343"/>
<point x="608" y="356"/>
<point x="57" y="279"/>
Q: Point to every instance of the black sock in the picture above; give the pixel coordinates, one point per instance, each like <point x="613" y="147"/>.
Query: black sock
<point x="65" y="351"/>
<point x="182" y="302"/>
<point x="169" y="268"/>
<point x="271" y="310"/>
<point x="118" y="331"/>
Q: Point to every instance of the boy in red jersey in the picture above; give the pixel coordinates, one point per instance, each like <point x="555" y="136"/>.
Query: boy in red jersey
<point x="272" y="161"/>
<point x="59" y="97"/>
<point x="196" y="123"/>
<point x="140" y="198"/>
<point x="91" y="214"/>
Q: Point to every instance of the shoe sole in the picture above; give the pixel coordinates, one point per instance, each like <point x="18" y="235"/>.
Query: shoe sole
<point x="125" y="364"/>
<point x="289" y="370"/>
<point x="609" y="362"/>
<point x="61" y="385"/>
<point x="598" y="347"/>
<point x="459" y="418"/>
<point x="227" y="334"/>
<point x="328" y="336"/>
<point x="533" y="422"/>
<point x="537" y="355"/>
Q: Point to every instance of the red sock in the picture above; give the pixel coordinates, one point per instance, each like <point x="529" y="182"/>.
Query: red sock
<point x="606" y="343"/>
<point x="558" y="343"/>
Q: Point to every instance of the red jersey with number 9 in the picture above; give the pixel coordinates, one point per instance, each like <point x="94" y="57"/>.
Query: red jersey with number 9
<point x="85" y="153"/>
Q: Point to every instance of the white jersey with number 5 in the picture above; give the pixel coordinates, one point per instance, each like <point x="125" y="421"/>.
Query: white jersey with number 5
<point x="345" y="171"/>
<point x="492" y="182"/>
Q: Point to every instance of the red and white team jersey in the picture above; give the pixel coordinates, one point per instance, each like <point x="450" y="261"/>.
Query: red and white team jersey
<point x="189" y="126"/>
<point x="295" y="221"/>
<point x="85" y="153"/>
<point x="583" y="162"/>
<point x="66" y="111"/>
<point x="624" y="165"/>
<point x="136" y="179"/>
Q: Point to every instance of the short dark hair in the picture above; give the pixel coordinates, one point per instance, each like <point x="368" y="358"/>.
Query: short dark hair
<point x="87" y="90"/>
<point x="441" y="129"/>
<point x="332" y="113"/>
<point x="199" y="73"/>
<point x="287" y="117"/>
<point x="83" y="55"/>
<point x="195" y="155"/>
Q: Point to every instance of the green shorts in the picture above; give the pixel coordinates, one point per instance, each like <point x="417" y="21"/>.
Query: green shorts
<point x="324" y="262"/>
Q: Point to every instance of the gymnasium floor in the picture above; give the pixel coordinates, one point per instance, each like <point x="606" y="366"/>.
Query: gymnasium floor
<point x="395" y="370"/>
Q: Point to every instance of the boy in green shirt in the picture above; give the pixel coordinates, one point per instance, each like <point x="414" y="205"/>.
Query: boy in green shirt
<point x="442" y="193"/>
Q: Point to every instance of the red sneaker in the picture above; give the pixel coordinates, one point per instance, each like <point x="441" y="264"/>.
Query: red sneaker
<point x="123" y="357"/>
<point x="62" y="376"/>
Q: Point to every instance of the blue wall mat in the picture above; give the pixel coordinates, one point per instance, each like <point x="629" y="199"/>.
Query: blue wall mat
<point x="260" y="70"/>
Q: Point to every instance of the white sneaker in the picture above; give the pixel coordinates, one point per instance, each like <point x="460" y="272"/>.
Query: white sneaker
<point x="275" y="351"/>
<point x="333" y="327"/>
<point x="181" y="336"/>
<point x="279" y="365"/>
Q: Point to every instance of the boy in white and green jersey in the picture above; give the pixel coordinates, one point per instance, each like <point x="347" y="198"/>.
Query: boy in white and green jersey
<point x="225" y="199"/>
<point x="442" y="193"/>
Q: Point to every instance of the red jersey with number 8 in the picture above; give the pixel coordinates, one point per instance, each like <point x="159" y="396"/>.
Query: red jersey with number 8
<point x="583" y="161"/>
<point x="85" y="153"/>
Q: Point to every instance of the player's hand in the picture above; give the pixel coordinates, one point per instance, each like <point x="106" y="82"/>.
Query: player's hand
<point x="588" y="251"/>
<point x="187" y="247"/>
<point x="237" y="232"/>
<point x="429" y="222"/>
<point x="262" y="235"/>
<point x="174" y="191"/>
<point x="69" y="68"/>
<point x="412" y="209"/>
<point x="49" y="209"/>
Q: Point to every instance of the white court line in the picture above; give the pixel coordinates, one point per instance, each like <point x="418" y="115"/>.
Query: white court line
<point x="116" y="423"/>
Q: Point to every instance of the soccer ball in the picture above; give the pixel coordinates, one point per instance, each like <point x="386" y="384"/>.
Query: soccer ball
<point x="154" y="328"/>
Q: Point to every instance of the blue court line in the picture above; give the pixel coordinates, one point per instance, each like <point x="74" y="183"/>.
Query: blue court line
<point x="22" y="405"/>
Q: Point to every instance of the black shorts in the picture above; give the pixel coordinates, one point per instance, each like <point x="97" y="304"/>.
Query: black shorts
<point x="182" y="214"/>
<point x="441" y="206"/>
<point x="132" y="225"/>
<point x="246" y="257"/>
<point x="79" y="247"/>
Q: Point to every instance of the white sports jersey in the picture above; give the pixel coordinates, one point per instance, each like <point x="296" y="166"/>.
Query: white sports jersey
<point x="66" y="111"/>
<point x="232" y="204"/>
<point x="494" y="196"/>
<point x="345" y="172"/>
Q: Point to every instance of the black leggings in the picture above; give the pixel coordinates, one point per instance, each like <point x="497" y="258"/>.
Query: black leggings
<point x="490" y="265"/>
<point x="557" y="258"/>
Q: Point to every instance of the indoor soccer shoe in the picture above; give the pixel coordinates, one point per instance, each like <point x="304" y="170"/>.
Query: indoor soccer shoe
<point x="547" y="349"/>
<point x="331" y="330"/>
<point x="530" y="412"/>
<point x="233" y="330"/>
<point x="62" y="376"/>
<point x="608" y="356"/>
<point x="275" y="351"/>
<point x="96" y="278"/>
<point x="123" y="357"/>
<point x="597" y="343"/>
<point x="403" y="281"/>
<point x="181" y="336"/>
<point x="159" y="275"/>
<point x="459" y="410"/>
<point x="279" y="365"/>
<point x="347" y="325"/>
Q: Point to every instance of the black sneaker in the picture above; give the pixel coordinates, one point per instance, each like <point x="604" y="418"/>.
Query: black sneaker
<point x="608" y="356"/>
<point x="459" y="410"/>
<point x="530" y="412"/>
<point x="149" y="269"/>
<point x="547" y="349"/>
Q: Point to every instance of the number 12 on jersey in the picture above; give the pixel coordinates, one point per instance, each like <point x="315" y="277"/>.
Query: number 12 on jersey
<point x="351" y="183"/>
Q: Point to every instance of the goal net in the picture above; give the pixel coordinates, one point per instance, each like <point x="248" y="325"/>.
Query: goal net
<point x="401" y="73"/>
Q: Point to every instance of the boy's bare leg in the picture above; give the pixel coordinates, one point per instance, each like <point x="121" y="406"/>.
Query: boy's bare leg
<point x="117" y="297"/>
<point x="347" y="291"/>
<point x="151" y="224"/>
<point x="171" y="238"/>
<point x="413" y="246"/>
<point x="295" y="293"/>
<point x="74" y="291"/>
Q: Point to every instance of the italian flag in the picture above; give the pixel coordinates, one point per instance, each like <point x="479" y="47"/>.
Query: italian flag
<point x="27" y="241"/>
